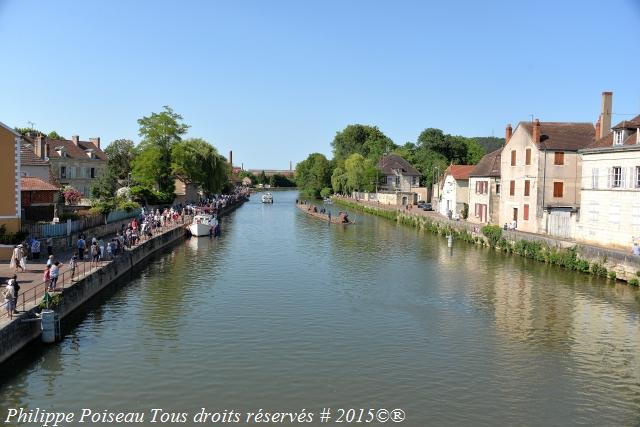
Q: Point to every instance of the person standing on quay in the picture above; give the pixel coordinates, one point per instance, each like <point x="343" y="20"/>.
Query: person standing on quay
<point x="73" y="263"/>
<point x="16" y="259"/>
<point x="9" y="298"/>
<point x="35" y="249"/>
<point x="81" y="245"/>
<point x="47" y="277"/>
<point x="54" y="272"/>
<point x="49" y="246"/>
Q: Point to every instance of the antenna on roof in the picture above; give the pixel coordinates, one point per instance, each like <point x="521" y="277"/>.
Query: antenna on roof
<point x="31" y="124"/>
<point x="531" y="117"/>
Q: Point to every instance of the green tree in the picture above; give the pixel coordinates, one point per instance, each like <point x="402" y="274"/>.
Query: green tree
<point x="195" y="161"/>
<point x="313" y="174"/>
<point x="159" y="132"/>
<point x="120" y="155"/>
<point x="360" y="173"/>
<point x="368" y="141"/>
<point x="55" y="135"/>
<point x="262" y="178"/>
<point x="339" y="180"/>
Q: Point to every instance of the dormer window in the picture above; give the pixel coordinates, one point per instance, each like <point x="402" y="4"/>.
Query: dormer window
<point x="617" y="137"/>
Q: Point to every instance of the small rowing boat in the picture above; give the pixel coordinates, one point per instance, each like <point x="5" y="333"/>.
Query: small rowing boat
<point x="314" y="211"/>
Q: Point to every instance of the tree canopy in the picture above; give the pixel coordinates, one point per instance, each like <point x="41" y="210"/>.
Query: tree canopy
<point x="313" y="174"/>
<point x="195" y="161"/>
<point x="365" y="140"/>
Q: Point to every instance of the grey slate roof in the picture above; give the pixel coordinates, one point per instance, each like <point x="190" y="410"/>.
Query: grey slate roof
<point x="389" y="163"/>
<point x="489" y="165"/>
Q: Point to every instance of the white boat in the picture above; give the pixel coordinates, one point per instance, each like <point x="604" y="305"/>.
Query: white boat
<point x="202" y="225"/>
<point x="328" y="201"/>
<point x="267" y="198"/>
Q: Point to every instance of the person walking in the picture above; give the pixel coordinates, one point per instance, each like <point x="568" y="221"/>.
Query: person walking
<point x="73" y="263"/>
<point x="101" y="246"/>
<point x="54" y="273"/>
<point x="81" y="245"/>
<point x="16" y="258"/>
<point x="49" y="246"/>
<point x="23" y="259"/>
<point x="95" y="255"/>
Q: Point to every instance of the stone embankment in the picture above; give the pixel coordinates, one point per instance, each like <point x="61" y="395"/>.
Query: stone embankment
<point x="21" y="330"/>
<point x="614" y="264"/>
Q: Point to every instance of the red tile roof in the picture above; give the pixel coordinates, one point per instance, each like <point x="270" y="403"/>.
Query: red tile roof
<point x="460" y="171"/>
<point x="565" y="136"/>
<point x="629" y="124"/>
<point x="30" y="183"/>
<point x="28" y="157"/>
<point x="74" y="151"/>
<point x="607" y="140"/>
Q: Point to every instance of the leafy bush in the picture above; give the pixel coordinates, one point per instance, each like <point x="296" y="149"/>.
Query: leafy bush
<point x="612" y="275"/>
<point x="598" y="269"/>
<point x="633" y="281"/>
<point x="465" y="211"/>
<point x="71" y="195"/>
<point x="493" y="233"/>
<point x="325" y="192"/>
<point x="128" y="205"/>
<point x="582" y="265"/>
<point x="11" y="238"/>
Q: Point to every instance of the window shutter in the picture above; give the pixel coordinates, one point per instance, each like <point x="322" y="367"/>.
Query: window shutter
<point x="631" y="177"/>
<point x="622" y="177"/>
<point x="609" y="179"/>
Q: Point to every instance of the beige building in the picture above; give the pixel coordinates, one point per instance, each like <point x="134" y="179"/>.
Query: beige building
<point x="32" y="165"/>
<point x="454" y="189"/>
<point x="10" y="204"/>
<point x="484" y="190"/>
<point x="73" y="162"/>
<point x="401" y="182"/>
<point x="540" y="176"/>
<point x="610" y="201"/>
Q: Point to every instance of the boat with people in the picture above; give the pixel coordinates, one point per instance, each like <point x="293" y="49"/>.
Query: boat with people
<point x="267" y="198"/>
<point x="321" y="213"/>
<point x="202" y="224"/>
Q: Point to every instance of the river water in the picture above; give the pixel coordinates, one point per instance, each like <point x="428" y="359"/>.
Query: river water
<point x="285" y="312"/>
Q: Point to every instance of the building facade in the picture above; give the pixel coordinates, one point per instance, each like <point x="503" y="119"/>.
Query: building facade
<point x="10" y="211"/>
<point x="540" y="175"/>
<point x="610" y="202"/>
<point x="484" y="190"/>
<point x="32" y="165"/>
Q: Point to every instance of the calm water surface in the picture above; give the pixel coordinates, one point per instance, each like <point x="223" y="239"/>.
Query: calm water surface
<point x="287" y="312"/>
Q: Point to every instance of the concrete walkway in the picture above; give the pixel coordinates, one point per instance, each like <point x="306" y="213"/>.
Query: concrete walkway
<point x="32" y="286"/>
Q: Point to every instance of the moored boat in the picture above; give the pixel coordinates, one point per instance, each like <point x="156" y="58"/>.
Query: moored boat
<point x="311" y="210"/>
<point x="202" y="225"/>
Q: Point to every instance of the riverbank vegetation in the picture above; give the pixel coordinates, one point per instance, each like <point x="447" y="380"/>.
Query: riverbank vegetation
<point x="358" y="148"/>
<point x="146" y="173"/>
<point x="492" y="237"/>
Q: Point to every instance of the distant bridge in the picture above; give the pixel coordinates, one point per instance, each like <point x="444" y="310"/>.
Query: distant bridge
<point x="271" y="172"/>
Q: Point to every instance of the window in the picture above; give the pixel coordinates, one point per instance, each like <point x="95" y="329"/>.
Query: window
<point x="390" y="180"/>
<point x="513" y="157"/>
<point x="616" y="177"/>
<point x="414" y="180"/>
<point x="558" y="188"/>
<point x="527" y="187"/>
<point x="397" y="180"/>
<point x="525" y="213"/>
<point x="527" y="156"/>
<point x="512" y="188"/>
<point x="594" y="178"/>
<point x="558" y="158"/>
<point x="93" y="172"/>
<point x="63" y="172"/>
<point x="617" y="137"/>
<point x="498" y="187"/>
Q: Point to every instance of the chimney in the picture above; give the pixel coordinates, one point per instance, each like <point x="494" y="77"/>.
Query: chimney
<point x="231" y="158"/>
<point x="96" y="141"/>
<point x="507" y="133"/>
<point x="536" y="131"/>
<point x="605" y="115"/>
<point x="75" y="139"/>
<point x="598" y="128"/>
<point x="40" y="147"/>
<point x="290" y="165"/>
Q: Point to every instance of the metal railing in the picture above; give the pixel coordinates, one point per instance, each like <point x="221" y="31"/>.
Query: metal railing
<point x="32" y="296"/>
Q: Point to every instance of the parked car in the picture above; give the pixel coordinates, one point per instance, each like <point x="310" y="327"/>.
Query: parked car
<point x="427" y="207"/>
<point x="421" y="203"/>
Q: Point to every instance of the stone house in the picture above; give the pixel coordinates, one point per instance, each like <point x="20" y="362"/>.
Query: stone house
<point x="540" y="176"/>
<point x="454" y="189"/>
<point x="401" y="181"/>
<point x="32" y="165"/>
<point x="10" y="212"/>
<point x="73" y="162"/>
<point x="610" y="200"/>
<point x="484" y="190"/>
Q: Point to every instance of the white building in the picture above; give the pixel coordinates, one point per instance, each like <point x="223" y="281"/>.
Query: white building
<point x="610" y="200"/>
<point x="454" y="189"/>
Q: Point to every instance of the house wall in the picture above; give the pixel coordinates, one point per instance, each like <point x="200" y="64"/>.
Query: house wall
<point x="9" y="180"/>
<point x="448" y="199"/>
<point x="609" y="216"/>
<point x="30" y="198"/>
<point x="42" y="172"/>
<point x="406" y="183"/>
<point x="520" y="141"/>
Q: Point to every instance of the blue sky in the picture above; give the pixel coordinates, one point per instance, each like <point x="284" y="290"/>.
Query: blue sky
<point x="274" y="80"/>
